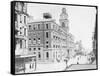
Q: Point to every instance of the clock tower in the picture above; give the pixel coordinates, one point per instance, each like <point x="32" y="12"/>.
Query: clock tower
<point x="64" y="19"/>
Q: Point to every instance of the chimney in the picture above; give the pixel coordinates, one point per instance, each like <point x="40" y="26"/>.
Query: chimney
<point x="47" y="15"/>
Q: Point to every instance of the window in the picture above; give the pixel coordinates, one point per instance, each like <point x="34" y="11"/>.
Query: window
<point x="54" y="46"/>
<point x="63" y="24"/>
<point x="25" y="19"/>
<point x="47" y="42"/>
<point x="25" y="43"/>
<point x="56" y="37"/>
<point x="38" y="26"/>
<point x="38" y="38"/>
<point x="68" y="51"/>
<point x="34" y="49"/>
<point x="34" y="41"/>
<point x="29" y="49"/>
<point x="30" y="66"/>
<point x="46" y="26"/>
<point x="20" y="28"/>
<point x="38" y="48"/>
<point x="39" y="55"/>
<point x="33" y="27"/>
<point x="20" y="19"/>
<point x="20" y="43"/>
<point x="34" y="52"/>
<point x="47" y="46"/>
<point x="25" y="31"/>
<point x="47" y="55"/>
<point x="29" y="40"/>
<point x="20" y="33"/>
<point x="46" y="34"/>
<point x="39" y="41"/>
<point x="29" y="27"/>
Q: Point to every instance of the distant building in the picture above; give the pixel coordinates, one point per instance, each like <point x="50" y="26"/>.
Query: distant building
<point x="20" y="27"/>
<point x="47" y="40"/>
<point x="94" y="38"/>
<point x="23" y="61"/>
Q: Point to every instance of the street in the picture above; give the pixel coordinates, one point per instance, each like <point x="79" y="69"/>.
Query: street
<point x="47" y="67"/>
<point x="81" y="66"/>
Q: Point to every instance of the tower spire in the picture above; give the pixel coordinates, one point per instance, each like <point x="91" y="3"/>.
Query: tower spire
<point x="63" y="18"/>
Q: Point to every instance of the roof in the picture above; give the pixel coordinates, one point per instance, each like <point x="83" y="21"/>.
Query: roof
<point x="41" y="20"/>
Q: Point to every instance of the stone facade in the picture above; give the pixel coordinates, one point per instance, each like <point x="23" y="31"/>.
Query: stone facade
<point x="23" y="62"/>
<point x="48" y="40"/>
<point x="21" y="28"/>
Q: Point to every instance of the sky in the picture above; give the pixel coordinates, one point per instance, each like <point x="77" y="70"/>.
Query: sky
<point x="81" y="19"/>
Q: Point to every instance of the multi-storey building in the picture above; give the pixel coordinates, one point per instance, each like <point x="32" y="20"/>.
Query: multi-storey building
<point x="47" y="40"/>
<point x="94" y="38"/>
<point x="23" y="61"/>
<point x="20" y="27"/>
<point x="70" y="45"/>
